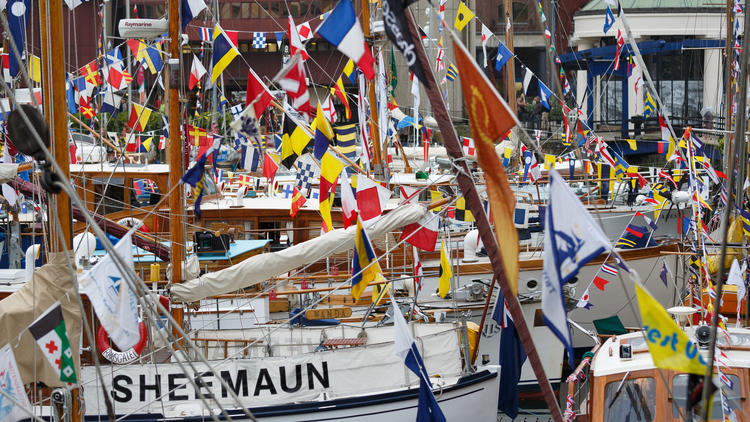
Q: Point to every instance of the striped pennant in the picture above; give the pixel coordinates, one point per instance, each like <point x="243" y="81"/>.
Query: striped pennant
<point x="609" y="269"/>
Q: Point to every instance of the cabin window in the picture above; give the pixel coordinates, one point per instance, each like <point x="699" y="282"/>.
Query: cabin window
<point x="631" y="400"/>
<point x="733" y="396"/>
<point x="110" y="193"/>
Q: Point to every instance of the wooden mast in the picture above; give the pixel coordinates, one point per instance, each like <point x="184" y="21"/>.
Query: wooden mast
<point x="374" y="128"/>
<point x="56" y="113"/>
<point x="469" y="191"/>
<point x="176" y="166"/>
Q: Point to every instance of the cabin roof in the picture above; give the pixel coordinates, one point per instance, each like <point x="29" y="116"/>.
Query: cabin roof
<point x="120" y="168"/>
<point x="607" y="360"/>
<point x="676" y="6"/>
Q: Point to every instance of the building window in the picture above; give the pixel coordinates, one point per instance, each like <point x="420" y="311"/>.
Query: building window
<point x="520" y="13"/>
<point x="226" y="11"/>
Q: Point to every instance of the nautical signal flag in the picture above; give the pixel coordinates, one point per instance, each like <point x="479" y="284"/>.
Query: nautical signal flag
<point x="349" y="71"/>
<point x="295" y="43"/>
<point x="503" y="55"/>
<point x="342" y="29"/>
<point x="339" y="91"/>
<point x="224" y="51"/>
<point x="464" y="15"/>
<point x="348" y="202"/>
<point x="139" y="116"/>
<point x="679" y="353"/>
<point x="446" y="272"/>
<point x="490" y="119"/>
<point x="257" y="93"/>
<point x="269" y="168"/>
<point x="298" y="200"/>
<point x="292" y="81"/>
<point x="293" y="142"/>
<point x="196" y="72"/>
<point x="423" y="233"/>
<point x="323" y="134"/>
<point x="452" y="72"/>
<point x="91" y="74"/>
<point x="461" y="213"/>
<point x="371" y="198"/>
<point x="649" y="106"/>
<point x="599" y="282"/>
<point x="190" y="10"/>
<point x="365" y="266"/>
<point x="609" y="20"/>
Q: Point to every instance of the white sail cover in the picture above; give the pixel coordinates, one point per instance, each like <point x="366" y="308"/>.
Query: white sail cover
<point x="265" y="266"/>
<point x="278" y="380"/>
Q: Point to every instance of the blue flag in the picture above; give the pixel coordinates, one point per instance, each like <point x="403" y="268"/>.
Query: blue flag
<point x="526" y="164"/>
<point x="512" y="357"/>
<point x="609" y="19"/>
<point x="571" y="239"/>
<point x="194" y="178"/>
<point x="404" y="347"/>
<point x="503" y="55"/>
<point x="544" y="93"/>
<point x="18" y="17"/>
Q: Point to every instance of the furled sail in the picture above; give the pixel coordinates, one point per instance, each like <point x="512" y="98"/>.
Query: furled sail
<point x="264" y="266"/>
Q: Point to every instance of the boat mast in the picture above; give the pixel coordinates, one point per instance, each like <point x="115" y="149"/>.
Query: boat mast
<point x="510" y="65"/>
<point x="56" y="113"/>
<point x="374" y="129"/>
<point x="176" y="166"/>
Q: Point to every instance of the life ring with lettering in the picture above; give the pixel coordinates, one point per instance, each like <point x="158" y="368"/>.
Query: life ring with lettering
<point x="127" y="356"/>
<point x="131" y="222"/>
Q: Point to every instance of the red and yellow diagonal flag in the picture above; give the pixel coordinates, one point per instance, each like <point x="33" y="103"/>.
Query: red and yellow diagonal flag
<point x="490" y="118"/>
<point x="298" y="200"/>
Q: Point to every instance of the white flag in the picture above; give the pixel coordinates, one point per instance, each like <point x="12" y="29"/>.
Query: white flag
<point x="569" y="243"/>
<point x="486" y="34"/>
<point x="735" y="278"/>
<point x="115" y="304"/>
<point x="12" y="385"/>
<point x="527" y="80"/>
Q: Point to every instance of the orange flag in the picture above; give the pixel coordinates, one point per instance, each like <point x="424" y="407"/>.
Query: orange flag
<point x="490" y="118"/>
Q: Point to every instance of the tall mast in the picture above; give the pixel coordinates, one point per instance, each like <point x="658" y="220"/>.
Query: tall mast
<point x="56" y="112"/>
<point x="510" y="65"/>
<point x="374" y="129"/>
<point x="176" y="166"/>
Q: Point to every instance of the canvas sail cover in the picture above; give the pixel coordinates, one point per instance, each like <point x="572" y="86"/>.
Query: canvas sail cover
<point x="278" y="380"/>
<point x="51" y="283"/>
<point x="264" y="266"/>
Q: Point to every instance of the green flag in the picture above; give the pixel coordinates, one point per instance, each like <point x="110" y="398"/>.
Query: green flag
<point x="50" y="334"/>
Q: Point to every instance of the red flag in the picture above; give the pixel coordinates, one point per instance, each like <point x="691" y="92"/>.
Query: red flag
<point x="257" y="89"/>
<point x="371" y="198"/>
<point x="600" y="283"/>
<point x="298" y="200"/>
<point x="294" y="83"/>
<point x="269" y="168"/>
<point x="422" y="234"/>
<point x="295" y="44"/>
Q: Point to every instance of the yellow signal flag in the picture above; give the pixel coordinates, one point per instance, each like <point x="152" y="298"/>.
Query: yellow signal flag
<point x="377" y="288"/>
<point x="463" y="17"/>
<point x="35" y="69"/>
<point x="632" y="144"/>
<point x="549" y="161"/>
<point x="436" y="195"/>
<point x="446" y="273"/>
<point x="670" y="347"/>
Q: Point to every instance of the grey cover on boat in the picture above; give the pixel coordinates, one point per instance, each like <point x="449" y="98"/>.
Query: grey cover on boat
<point x="52" y="282"/>
<point x="8" y="172"/>
<point x="261" y="267"/>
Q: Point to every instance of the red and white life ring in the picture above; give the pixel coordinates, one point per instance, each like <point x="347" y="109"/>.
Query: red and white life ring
<point x="127" y="356"/>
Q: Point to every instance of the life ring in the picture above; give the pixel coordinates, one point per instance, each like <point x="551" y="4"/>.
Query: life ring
<point x="131" y="222"/>
<point x="127" y="356"/>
